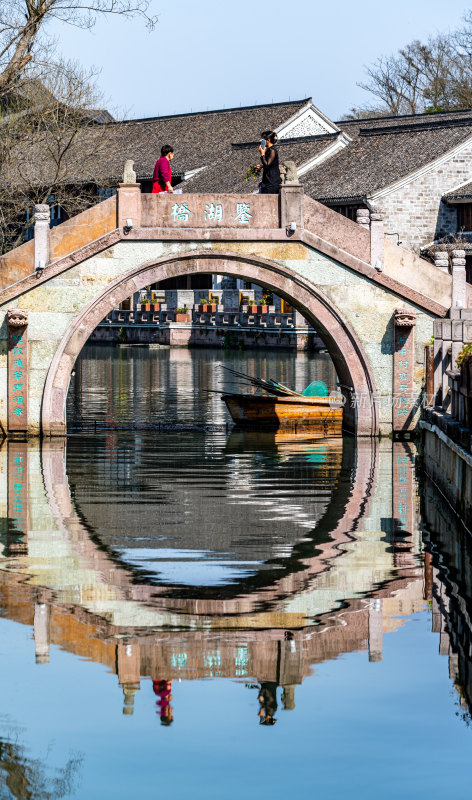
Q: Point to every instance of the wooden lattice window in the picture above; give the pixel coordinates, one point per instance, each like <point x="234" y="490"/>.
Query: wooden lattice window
<point x="349" y="211"/>
<point x="465" y="216"/>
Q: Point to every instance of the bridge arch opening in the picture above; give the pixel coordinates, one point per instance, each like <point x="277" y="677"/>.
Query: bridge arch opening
<point x="342" y="343"/>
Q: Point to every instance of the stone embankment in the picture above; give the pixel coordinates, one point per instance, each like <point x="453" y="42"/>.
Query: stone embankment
<point x="447" y="414"/>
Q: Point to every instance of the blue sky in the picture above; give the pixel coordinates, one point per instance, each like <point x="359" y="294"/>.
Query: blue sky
<point x="224" y="54"/>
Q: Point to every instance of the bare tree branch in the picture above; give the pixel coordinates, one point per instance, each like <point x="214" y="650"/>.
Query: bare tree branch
<point x="422" y="77"/>
<point x="51" y="150"/>
<point x="23" y="24"/>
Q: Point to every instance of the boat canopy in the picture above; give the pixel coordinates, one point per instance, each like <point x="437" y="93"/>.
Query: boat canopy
<point x="316" y="389"/>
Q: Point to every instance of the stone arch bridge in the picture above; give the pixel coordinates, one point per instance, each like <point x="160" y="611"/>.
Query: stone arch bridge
<point x="372" y="302"/>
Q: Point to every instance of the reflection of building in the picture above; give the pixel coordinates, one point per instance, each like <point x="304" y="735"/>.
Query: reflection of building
<point x="259" y="655"/>
<point x="167" y="387"/>
<point x="449" y="586"/>
<point x="317" y="602"/>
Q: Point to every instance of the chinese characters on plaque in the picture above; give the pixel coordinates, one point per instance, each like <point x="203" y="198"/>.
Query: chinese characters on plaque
<point x="181" y="212"/>
<point x="404" y="405"/>
<point x="17" y="366"/>
<point x="212" y="212"/>
<point x="242" y="213"/>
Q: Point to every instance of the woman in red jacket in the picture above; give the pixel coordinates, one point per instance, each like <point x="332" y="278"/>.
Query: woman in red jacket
<point x="163" y="689"/>
<point x="162" y="175"/>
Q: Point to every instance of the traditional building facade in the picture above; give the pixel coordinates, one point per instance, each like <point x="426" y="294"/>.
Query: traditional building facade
<point x="415" y="170"/>
<point x="410" y="169"/>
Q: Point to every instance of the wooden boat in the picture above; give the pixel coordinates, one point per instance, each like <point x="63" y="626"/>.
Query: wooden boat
<point x="322" y="415"/>
<point x="311" y="411"/>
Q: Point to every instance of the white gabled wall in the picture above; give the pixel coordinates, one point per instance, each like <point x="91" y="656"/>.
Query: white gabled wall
<point x="309" y="121"/>
<point x="413" y="207"/>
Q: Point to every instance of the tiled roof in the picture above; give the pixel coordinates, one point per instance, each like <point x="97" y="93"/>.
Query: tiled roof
<point x="228" y="174"/>
<point x="462" y="193"/>
<point x="383" y="151"/>
<point x="222" y="144"/>
<point x="437" y="118"/>
<point x="199" y="139"/>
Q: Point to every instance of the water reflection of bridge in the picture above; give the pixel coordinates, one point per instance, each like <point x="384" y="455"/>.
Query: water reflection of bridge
<point x="335" y="592"/>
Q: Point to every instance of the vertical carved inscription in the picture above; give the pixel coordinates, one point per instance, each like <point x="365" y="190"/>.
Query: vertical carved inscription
<point x="17" y="322"/>
<point x="404" y="404"/>
<point x="17" y="535"/>
<point x="405" y="504"/>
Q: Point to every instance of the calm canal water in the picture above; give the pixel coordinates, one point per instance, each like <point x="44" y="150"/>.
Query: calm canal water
<point x="192" y="612"/>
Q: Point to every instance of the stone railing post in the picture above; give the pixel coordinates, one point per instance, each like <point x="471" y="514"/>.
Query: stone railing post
<point x="128" y="659"/>
<point x="363" y="217"/>
<point x="459" y="285"/>
<point x="377" y="240"/>
<point x="129" y="204"/>
<point x="441" y="260"/>
<point x="291" y="205"/>
<point x="442" y="330"/>
<point x="429" y="372"/>
<point x="41" y="632"/>
<point x="375" y="630"/>
<point x="42" y="215"/>
<point x="454" y="376"/>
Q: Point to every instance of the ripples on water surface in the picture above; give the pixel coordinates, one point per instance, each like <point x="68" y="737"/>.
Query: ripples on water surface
<point x="136" y="387"/>
<point x="209" y="614"/>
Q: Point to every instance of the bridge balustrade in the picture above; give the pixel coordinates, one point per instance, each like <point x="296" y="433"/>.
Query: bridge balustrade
<point x="166" y="317"/>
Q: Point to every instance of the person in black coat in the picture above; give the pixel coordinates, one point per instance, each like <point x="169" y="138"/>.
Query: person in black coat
<point x="271" y="180"/>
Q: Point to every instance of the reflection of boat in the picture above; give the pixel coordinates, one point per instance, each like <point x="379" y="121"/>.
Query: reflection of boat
<point x="282" y="407"/>
<point x="283" y="440"/>
<point x="286" y="443"/>
<point x="322" y="415"/>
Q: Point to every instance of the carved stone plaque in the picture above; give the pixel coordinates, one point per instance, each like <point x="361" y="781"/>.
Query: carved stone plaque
<point x="17" y="322"/>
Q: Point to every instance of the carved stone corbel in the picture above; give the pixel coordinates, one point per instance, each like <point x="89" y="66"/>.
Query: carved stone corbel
<point x="404" y="317"/>
<point x="17" y="317"/>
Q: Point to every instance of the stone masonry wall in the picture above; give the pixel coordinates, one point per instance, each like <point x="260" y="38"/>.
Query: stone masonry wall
<point x="63" y="239"/>
<point x="416" y="212"/>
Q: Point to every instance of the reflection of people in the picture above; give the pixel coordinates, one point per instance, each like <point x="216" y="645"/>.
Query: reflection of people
<point x="271" y="180"/>
<point x="268" y="700"/>
<point x="162" y="175"/>
<point x="163" y="689"/>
